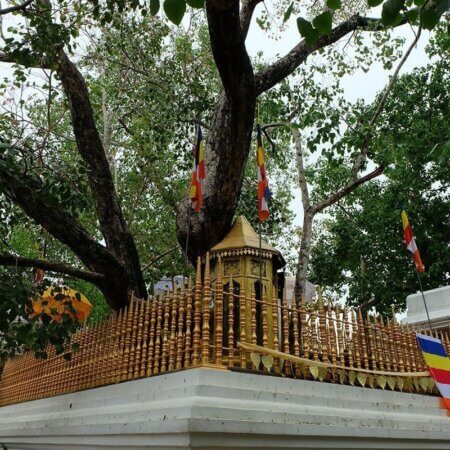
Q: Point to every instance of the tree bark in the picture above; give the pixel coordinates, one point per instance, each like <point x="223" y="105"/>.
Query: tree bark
<point x="226" y="152"/>
<point x="303" y="256"/>
<point x="228" y="142"/>
<point x="119" y="240"/>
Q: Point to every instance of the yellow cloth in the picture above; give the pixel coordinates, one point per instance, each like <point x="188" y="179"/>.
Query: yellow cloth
<point x="436" y="361"/>
<point x="55" y="303"/>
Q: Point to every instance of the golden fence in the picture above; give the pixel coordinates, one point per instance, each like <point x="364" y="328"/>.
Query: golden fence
<point x="202" y="325"/>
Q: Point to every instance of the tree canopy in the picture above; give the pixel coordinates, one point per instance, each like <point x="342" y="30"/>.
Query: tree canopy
<point x="95" y="149"/>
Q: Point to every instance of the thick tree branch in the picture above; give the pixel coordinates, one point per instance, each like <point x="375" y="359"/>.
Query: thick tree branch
<point x="248" y="7"/>
<point x="230" y="54"/>
<point x="112" y="223"/>
<point x="319" y="207"/>
<point x="282" y="68"/>
<point x="15" y="8"/>
<point x="51" y="266"/>
<point x="27" y="194"/>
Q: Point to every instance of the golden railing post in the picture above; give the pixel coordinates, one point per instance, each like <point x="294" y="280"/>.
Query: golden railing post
<point x="333" y="341"/>
<point x="314" y="333"/>
<point x="242" y="317"/>
<point x="378" y="346"/>
<point x="115" y="359"/>
<point x="276" y="347"/>
<point x="285" y="328"/>
<point x="127" y="341"/>
<point x="197" y="315"/>
<point x="108" y="334"/>
<point x="152" y="336"/>
<point x="265" y="340"/>
<point x="206" y="312"/>
<point x="180" y="334"/>
<point x="385" y="343"/>
<point x="362" y="332"/>
<point x="348" y="344"/>
<point x="140" y="329"/>
<point x="254" y="338"/>
<point x="373" y="357"/>
<point x="405" y="348"/>
<point x="401" y="363"/>
<point x="159" y="319"/>
<point x="165" y="336"/>
<point x="391" y="345"/>
<point x="230" y="323"/>
<point x="188" y="345"/>
<point x="304" y="334"/>
<point x="218" y="327"/>
<point x="134" y="321"/>
<point x="409" y="337"/>
<point x="173" y="329"/>
<point x="355" y="336"/>
<point x="144" y="351"/>
<point x="322" y="326"/>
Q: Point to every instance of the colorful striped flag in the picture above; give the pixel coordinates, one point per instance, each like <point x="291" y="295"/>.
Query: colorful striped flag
<point x="411" y="243"/>
<point x="438" y="362"/>
<point x="198" y="173"/>
<point x="263" y="183"/>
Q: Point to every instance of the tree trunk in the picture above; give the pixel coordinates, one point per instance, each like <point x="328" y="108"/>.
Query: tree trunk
<point x="303" y="256"/>
<point x="226" y="152"/>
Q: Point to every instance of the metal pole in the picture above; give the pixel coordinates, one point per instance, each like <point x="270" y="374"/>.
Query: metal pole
<point x="423" y="297"/>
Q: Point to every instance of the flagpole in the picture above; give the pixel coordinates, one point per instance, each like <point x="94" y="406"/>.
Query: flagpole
<point x="423" y="297"/>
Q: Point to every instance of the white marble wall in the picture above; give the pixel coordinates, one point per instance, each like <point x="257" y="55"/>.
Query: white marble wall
<point x="438" y="305"/>
<point x="207" y="408"/>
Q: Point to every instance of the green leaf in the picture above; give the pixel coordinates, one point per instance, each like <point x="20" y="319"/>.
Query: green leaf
<point x="442" y="7"/>
<point x="196" y="3"/>
<point x="419" y="2"/>
<point x="412" y="15"/>
<point x="429" y="19"/>
<point x="323" y="22"/>
<point x="391" y="11"/>
<point x="334" y="4"/>
<point x="154" y="7"/>
<point x="373" y="3"/>
<point x="307" y="31"/>
<point x="175" y="10"/>
<point x="287" y="14"/>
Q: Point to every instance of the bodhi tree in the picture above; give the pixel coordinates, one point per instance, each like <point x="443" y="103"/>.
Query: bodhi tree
<point x="46" y="39"/>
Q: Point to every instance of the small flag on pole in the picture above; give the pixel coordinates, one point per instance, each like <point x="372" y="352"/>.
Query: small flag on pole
<point x="263" y="183"/>
<point x="437" y="360"/>
<point x="411" y="243"/>
<point x="38" y="276"/>
<point x="198" y="173"/>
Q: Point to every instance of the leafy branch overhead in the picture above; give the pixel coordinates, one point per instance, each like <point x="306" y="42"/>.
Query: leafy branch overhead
<point x="394" y="12"/>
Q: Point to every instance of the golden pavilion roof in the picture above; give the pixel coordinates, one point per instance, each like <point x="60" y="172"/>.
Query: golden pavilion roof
<point x="243" y="236"/>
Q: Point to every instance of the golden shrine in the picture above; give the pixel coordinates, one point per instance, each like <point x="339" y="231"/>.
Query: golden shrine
<point x="248" y="263"/>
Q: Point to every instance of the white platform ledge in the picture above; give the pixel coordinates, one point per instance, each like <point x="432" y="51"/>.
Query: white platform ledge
<point x="205" y="408"/>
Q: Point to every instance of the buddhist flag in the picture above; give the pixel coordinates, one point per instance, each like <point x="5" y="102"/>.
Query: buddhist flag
<point x="198" y="173"/>
<point x="411" y="243"/>
<point x="263" y="183"/>
<point x="437" y="360"/>
<point x="38" y="276"/>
